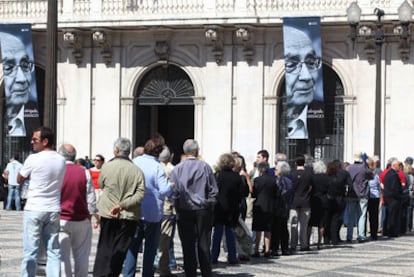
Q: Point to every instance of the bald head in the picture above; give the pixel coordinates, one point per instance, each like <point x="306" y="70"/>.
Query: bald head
<point x="10" y="44"/>
<point x="395" y="165"/>
<point x="17" y="71"/>
<point x="295" y="39"/>
<point x="68" y="151"/>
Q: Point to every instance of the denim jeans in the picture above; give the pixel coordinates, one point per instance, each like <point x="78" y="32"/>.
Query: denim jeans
<point x="38" y="225"/>
<point x="363" y="204"/>
<point x="230" y="240"/>
<point x="150" y="231"/>
<point x="352" y="216"/>
<point x="14" y="193"/>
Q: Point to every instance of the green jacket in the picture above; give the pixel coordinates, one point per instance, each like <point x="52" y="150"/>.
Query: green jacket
<point x="123" y="183"/>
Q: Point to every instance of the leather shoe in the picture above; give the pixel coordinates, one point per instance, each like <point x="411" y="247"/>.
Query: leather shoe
<point x="286" y="253"/>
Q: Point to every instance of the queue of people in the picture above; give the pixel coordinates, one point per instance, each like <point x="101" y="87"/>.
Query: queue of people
<point x="142" y="200"/>
<point x="329" y="196"/>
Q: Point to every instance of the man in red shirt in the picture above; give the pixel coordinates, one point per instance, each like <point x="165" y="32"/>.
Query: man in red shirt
<point x="78" y="203"/>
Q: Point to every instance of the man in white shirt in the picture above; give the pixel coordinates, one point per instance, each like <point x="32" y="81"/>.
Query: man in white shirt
<point x="10" y="174"/>
<point x="45" y="169"/>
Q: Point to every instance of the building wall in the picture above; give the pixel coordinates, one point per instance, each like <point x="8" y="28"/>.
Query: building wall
<point x="236" y="101"/>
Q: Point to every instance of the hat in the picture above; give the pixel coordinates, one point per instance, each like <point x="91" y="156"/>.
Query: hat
<point x="165" y="154"/>
<point x="358" y="158"/>
<point x="409" y="160"/>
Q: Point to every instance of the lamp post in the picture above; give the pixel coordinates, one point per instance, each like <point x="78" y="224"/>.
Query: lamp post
<point x="404" y="14"/>
<point x="49" y="116"/>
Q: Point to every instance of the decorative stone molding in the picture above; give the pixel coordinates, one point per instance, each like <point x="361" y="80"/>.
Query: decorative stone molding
<point x="245" y="36"/>
<point x="162" y="51"/>
<point x="73" y="41"/>
<point x="102" y="39"/>
<point x="128" y="101"/>
<point x="366" y="32"/>
<point x="349" y="99"/>
<point x="199" y="100"/>
<point x="162" y="37"/>
<point x="404" y="47"/>
<point x="399" y="31"/>
<point x="270" y="100"/>
<point x="61" y="101"/>
<point x="214" y="35"/>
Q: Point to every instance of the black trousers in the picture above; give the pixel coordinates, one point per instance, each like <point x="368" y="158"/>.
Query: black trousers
<point x="336" y="210"/>
<point x="194" y="229"/>
<point x="373" y="206"/>
<point x="392" y="217"/>
<point x="280" y="234"/>
<point x="114" y="239"/>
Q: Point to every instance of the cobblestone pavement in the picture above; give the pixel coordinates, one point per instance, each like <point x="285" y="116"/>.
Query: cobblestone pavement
<point x="385" y="257"/>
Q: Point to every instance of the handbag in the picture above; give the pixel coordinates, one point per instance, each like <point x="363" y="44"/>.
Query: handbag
<point x="3" y="192"/>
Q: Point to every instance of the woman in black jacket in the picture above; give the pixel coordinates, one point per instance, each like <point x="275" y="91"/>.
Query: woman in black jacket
<point x="265" y="193"/>
<point x="339" y="179"/>
<point x="227" y="209"/>
<point x="280" y="232"/>
<point x="319" y="200"/>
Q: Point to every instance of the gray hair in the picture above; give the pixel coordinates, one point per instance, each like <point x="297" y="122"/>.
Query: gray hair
<point x="319" y="167"/>
<point x="280" y="157"/>
<point x="66" y="153"/>
<point x="263" y="167"/>
<point x="283" y="168"/>
<point x="165" y="154"/>
<point x="190" y="146"/>
<point x="308" y="160"/>
<point x="123" y="145"/>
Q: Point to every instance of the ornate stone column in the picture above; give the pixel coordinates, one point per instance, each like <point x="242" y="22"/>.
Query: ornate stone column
<point x="127" y="117"/>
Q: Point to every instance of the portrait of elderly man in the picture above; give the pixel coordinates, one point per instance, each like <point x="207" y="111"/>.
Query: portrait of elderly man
<point x="304" y="95"/>
<point x="22" y="113"/>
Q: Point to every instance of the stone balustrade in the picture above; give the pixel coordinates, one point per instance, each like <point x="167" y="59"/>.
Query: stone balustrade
<point x="88" y="13"/>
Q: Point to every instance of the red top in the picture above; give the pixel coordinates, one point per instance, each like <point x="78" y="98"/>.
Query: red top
<point x="95" y="176"/>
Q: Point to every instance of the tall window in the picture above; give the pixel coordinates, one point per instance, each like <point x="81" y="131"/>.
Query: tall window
<point x="21" y="145"/>
<point x="331" y="146"/>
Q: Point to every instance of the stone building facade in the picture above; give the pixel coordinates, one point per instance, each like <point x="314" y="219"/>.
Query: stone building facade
<point x="214" y="70"/>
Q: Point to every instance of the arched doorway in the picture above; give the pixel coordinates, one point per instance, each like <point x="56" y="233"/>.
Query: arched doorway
<point x="332" y="145"/>
<point x="20" y="145"/>
<point x="165" y="105"/>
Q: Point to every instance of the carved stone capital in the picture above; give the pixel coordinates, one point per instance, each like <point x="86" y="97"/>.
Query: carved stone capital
<point x="162" y="51"/>
<point x="246" y="37"/>
<point x="101" y="38"/>
<point x="214" y="35"/>
<point x="73" y="41"/>
<point x="404" y="46"/>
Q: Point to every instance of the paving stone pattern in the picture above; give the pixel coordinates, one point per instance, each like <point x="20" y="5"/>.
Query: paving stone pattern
<point x="385" y="257"/>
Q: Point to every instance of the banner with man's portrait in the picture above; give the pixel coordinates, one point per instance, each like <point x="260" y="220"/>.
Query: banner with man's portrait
<point x="303" y="75"/>
<point x="21" y="113"/>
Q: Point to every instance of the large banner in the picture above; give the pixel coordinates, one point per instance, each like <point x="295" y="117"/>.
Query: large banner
<point x="303" y="72"/>
<point x="19" y="79"/>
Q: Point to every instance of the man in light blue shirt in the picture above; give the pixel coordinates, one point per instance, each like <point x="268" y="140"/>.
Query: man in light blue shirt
<point x="157" y="188"/>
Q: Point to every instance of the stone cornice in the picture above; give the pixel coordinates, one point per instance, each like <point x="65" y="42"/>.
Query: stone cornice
<point x="135" y="14"/>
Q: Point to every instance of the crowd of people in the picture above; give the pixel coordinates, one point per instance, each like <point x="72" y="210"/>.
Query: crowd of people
<point x="138" y="203"/>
